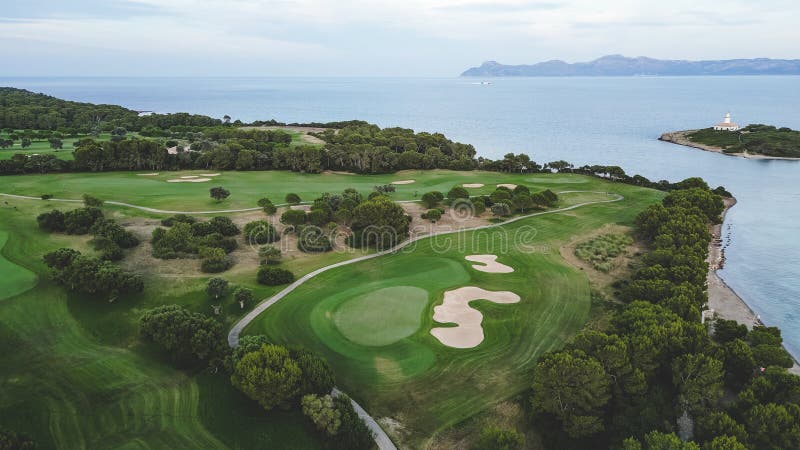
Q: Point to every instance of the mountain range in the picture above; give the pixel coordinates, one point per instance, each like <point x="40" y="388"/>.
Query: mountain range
<point x="618" y="65"/>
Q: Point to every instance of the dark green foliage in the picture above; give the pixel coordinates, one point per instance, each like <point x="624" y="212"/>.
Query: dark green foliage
<point x="379" y="223"/>
<point x="313" y="240"/>
<point x="91" y="275"/>
<point x="268" y="375"/>
<point x="243" y="297"/>
<point x="293" y="217"/>
<point x="496" y="438"/>
<point x="109" y="229"/>
<point x="457" y="192"/>
<point x="186" y="336"/>
<point x="52" y="221"/>
<point x="501" y="209"/>
<point x="432" y="214"/>
<point x="260" y="232"/>
<point x="267" y="205"/>
<point x="10" y="440"/>
<point x="758" y="139"/>
<point x="79" y="221"/>
<point x="353" y="434"/>
<point x="431" y="199"/>
<point x="765" y="335"/>
<point x="91" y="202"/>
<point x="178" y="218"/>
<point x="217" y="287"/>
<point x="219" y="193"/>
<point x="292" y="198"/>
<point x="767" y="355"/>
<point x="317" y="374"/>
<point x="728" y="330"/>
<point x="274" y="276"/>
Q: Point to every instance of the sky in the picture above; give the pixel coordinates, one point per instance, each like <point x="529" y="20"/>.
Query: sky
<point x="374" y="38"/>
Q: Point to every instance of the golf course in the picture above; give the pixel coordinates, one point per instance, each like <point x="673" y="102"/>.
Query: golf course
<point x="77" y="375"/>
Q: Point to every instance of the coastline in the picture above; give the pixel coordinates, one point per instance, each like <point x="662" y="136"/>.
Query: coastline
<point x="679" y="138"/>
<point x="722" y="299"/>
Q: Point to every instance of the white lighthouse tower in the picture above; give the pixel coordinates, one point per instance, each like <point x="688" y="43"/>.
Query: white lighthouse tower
<point x="726" y="124"/>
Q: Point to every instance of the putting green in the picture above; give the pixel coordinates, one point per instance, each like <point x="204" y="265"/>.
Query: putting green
<point x="382" y="317"/>
<point x="16" y="279"/>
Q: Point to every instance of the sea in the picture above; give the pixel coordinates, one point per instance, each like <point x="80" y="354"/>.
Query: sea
<point x="613" y="121"/>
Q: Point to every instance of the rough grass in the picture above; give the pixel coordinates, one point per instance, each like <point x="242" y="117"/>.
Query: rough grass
<point x="42" y="147"/>
<point x="601" y="251"/>
<point x="420" y="383"/>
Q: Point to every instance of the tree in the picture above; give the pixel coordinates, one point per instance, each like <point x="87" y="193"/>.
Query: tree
<point x="267" y="205"/>
<point x="379" y="222"/>
<point x="269" y="254"/>
<point x="522" y="201"/>
<point x="432" y="214"/>
<point x="91" y="202"/>
<point x="243" y="296"/>
<point x="187" y="336"/>
<point x="293" y="217"/>
<point x="431" y="199"/>
<point x="51" y="221"/>
<point x="457" y="192"/>
<point x="573" y="387"/>
<point x="313" y="240"/>
<point x="91" y="275"/>
<point x="292" y="198"/>
<point x="501" y="209"/>
<point x="25" y="142"/>
<point x="725" y="443"/>
<point x="321" y="411"/>
<point x="214" y="260"/>
<point x="766" y="355"/>
<point x="738" y="362"/>
<point x="268" y="376"/>
<point x="274" y="276"/>
<point x="718" y="423"/>
<point x="353" y="433"/>
<point x="317" y="374"/>
<point x="656" y="440"/>
<point x="728" y="330"/>
<point x="260" y="232"/>
<point x="773" y="426"/>
<point x="698" y="379"/>
<point x="497" y="438"/>
<point x="219" y="193"/>
<point x="217" y="287"/>
<point x="56" y="143"/>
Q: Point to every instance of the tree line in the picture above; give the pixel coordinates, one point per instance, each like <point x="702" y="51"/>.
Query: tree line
<point x="656" y="377"/>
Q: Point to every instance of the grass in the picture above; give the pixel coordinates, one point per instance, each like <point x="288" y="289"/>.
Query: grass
<point x="415" y="380"/>
<point x="42" y="147"/>
<point x="602" y="250"/>
<point x="75" y="374"/>
<point x="755" y="139"/>
<point x="247" y="187"/>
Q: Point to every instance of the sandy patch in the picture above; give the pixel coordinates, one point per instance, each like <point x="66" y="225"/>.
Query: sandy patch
<point x="473" y="185"/>
<point x="488" y="264"/>
<point x="404" y="182"/>
<point x="301" y="207"/>
<point x="189" y="177"/>
<point x="191" y="180"/>
<point x="508" y="185"/>
<point x="210" y="174"/>
<point x="448" y="222"/>
<point x="455" y="309"/>
<point x="147" y="174"/>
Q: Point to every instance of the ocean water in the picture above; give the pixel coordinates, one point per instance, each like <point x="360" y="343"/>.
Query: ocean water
<point x="582" y="120"/>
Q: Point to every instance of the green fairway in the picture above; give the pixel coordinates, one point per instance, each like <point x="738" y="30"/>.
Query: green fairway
<point x="381" y="317"/>
<point x="42" y="147"/>
<point x="15" y="279"/>
<point x="75" y="376"/>
<point x="409" y="375"/>
<point x="247" y="187"/>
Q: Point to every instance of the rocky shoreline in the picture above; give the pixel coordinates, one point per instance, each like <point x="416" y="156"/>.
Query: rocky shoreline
<point x="723" y="301"/>
<point x="681" y="138"/>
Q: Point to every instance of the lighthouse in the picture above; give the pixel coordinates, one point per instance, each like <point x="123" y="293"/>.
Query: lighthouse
<point x="726" y="124"/>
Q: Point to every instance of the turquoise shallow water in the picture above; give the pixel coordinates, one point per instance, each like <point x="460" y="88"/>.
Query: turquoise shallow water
<point x="582" y="120"/>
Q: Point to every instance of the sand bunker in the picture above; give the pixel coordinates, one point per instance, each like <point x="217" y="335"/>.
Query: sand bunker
<point x="490" y="264"/>
<point x="301" y="207"/>
<point x="189" y="177"/>
<point x="191" y="180"/>
<point x="473" y="185"/>
<point x="404" y="182"/>
<point x="210" y="174"/>
<point x="147" y="174"/>
<point x="455" y="309"/>
<point x="508" y="185"/>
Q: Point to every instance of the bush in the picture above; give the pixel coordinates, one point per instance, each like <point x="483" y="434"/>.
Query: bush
<point x="602" y="250"/>
<point x="293" y="217"/>
<point x="178" y="218"/>
<point x="109" y="229"/>
<point x="91" y="202"/>
<point x="432" y="214"/>
<point x="501" y="209"/>
<point x="431" y="199"/>
<point x="457" y="192"/>
<point x="47" y="196"/>
<point x="496" y="438"/>
<point x="186" y="335"/>
<point x="51" y="221"/>
<point x="267" y="205"/>
<point x="260" y="232"/>
<point x="79" y="221"/>
<point x="313" y="240"/>
<point x="318" y="217"/>
<point x="292" y="198"/>
<point x="214" y="260"/>
<point x="353" y="433"/>
<point x="224" y="226"/>
<point x="274" y="276"/>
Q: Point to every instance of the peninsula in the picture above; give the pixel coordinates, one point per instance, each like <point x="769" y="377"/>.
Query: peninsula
<point x="618" y="65"/>
<point x="752" y="141"/>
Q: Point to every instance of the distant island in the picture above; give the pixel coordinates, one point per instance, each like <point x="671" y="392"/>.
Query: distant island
<point x="752" y="141"/>
<point x="618" y="65"/>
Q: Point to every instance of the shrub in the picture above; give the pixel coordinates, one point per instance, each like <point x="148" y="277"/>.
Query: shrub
<point x="51" y="221"/>
<point x="353" y="433"/>
<point x="260" y="232"/>
<point x="219" y="193"/>
<point x="79" y="221"/>
<point x="313" y="240"/>
<point x="501" y="209"/>
<point x="243" y="296"/>
<point x="109" y="229"/>
<point x="457" y="192"/>
<point x="267" y="205"/>
<point x="432" y="214"/>
<point x="178" y="218"/>
<point x="431" y="199"/>
<point x="187" y="336"/>
<point x="214" y="260"/>
<point x="322" y="413"/>
<point x="496" y="438"/>
<point x="293" y="217"/>
<point x="92" y="202"/>
<point x="269" y="255"/>
<point x="47" y="196"/>
<point x="292" y="198"/>
<point x="318" y="217"/>
<point x="602" y="250"/>
<point x="274" y="276"/>
<point x="224" y="226"/>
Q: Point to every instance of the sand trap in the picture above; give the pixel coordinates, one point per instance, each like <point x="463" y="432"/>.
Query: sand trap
<point x="473" y="185"/>
<point x="210" y="174"/>
<point x="455" y="309"/>
<point x="404" y="182"/>
<point x="189" y="177"/>
<point x="192" y="180"/>
<point x="508" y="185"/>
<point x="301" y="207"/>
<point x="147" y="174"/>
<point x="490" y="264"/>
